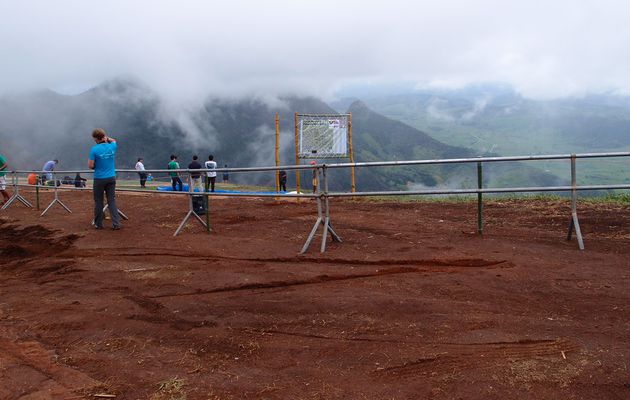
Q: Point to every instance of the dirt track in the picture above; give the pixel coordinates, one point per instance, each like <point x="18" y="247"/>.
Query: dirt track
<point x="413" y="304"/>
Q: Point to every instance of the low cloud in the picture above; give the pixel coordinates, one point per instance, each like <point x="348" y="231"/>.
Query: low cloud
<point x="478" y="107"/>
<point x="437" y="109"/>
<point x="192" y="49"/>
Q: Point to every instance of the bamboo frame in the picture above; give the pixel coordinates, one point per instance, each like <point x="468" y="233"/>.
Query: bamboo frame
<point x="351" y="149"/>
<point x="297" y="154"/>
<point x="277" y="152"/>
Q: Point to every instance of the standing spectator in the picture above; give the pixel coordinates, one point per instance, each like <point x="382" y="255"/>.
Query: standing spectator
<point x="226" y="176"/>
<point x="195" y="177"/>
<point x="212" y="175"/>
<point x="103" y="161"/>
<point x="141" y="172"/>
<point x="175" y="180"/>
<point x="282" y="178"/>
<point x="47" y="170"/>
<point x="3" y="179"/>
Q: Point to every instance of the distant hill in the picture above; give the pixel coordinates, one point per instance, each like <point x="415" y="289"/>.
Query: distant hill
<point x="378" y="138"/>
<point x="39" y="126"/>
<point x="494" y="119"/>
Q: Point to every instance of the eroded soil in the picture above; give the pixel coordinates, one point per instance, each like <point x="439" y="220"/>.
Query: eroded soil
<point x="413" y="304"/>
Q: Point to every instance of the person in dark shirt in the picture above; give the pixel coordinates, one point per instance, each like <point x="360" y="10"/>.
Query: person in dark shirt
<point x="79" y="181"/>
<point x="195" y="177"/>
<point x="226" y="176"/>
<point x="282" y="179"/>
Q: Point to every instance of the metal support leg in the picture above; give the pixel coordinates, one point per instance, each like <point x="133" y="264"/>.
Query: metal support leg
<point x="320" y="218"/>
<point x="56" y="199"/>
<point x="574" y="223"/>
<point x="122" y="214"/>
<point x="323" y="217"/>
<point x="312" y="234"/>
<point x="191" y="211"/>
<point x="16" y="194"/>
<point x="479" y="199"/>
<point x="327" y="225"/>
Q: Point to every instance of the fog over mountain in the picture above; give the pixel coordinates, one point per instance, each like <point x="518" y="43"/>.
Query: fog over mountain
<point x="189" y="49"/>
<point x="209" y="76"/>
<point x="43" y="125"/>
<point x="495" y="118"/>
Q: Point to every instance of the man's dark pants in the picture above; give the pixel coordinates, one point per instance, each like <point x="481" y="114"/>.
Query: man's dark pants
<point x="175" y="181"/>
<point x="211" y="181"/>
<point x="105" y="186"/>
<point x="143" y="178"/>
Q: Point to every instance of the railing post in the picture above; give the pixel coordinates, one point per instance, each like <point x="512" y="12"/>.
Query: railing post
<point x="191" y="208"/>
<point x="207" y="188"/>
<point x="56" y="199"/>
<point x="297" y="157"/>
<point x="479" y="199"/>
<point x="574" y="224"/>
<point x="320" y="215"/>
<point x="38" y="182"/>
<point x="328" y="224"/>
<point x="16" y="192"/>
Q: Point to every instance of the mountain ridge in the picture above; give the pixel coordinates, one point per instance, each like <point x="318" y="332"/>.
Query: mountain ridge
<point x="239" y="132"/>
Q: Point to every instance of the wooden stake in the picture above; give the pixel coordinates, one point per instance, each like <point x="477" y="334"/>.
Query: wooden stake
<point x="350" y="148"/>
<point x="277" y="152"/>
<point x="297" y="156"/>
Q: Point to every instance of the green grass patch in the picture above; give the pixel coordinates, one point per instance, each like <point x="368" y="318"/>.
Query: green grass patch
<point x="617" y="198"/>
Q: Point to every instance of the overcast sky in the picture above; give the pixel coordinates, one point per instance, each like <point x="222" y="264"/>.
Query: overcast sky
<point x="187" y="49"/>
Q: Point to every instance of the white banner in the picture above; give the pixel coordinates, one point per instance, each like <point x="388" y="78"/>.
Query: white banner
<point x="323" y="136"/>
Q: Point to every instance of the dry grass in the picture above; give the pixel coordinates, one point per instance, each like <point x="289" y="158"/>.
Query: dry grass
<point x="170" y="389"/>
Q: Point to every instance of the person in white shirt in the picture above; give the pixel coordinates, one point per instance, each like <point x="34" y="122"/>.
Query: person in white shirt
<point x="212" y="175"/>
<point x="140" y="169"/>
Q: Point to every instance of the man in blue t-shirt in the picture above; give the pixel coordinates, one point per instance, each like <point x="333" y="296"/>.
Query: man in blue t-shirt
<point x="103" y="162"/>
<point x="47" y="170"/>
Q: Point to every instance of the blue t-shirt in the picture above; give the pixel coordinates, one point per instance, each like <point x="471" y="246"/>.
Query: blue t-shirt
<point x="49" y="166"/>
<point x="104" y="156"/>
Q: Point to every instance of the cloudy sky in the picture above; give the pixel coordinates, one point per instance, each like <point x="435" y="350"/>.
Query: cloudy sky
<point x="192" y="48"/>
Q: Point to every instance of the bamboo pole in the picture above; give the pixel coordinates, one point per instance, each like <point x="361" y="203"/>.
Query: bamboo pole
<point x="277" y="152"/>
<point x="297" y="156"/>
<point x="350" y="147"/>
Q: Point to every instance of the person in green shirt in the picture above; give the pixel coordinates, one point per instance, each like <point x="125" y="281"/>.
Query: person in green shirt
<point x="3" y="179"/>
<point x="175" y="181"/>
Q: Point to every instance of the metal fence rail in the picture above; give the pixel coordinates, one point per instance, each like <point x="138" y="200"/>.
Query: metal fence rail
<point x="323" y="197"/>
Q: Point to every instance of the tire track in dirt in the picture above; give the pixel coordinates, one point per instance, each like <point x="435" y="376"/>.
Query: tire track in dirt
<point x="283" y="284"/>
<point x="446" y="345"/>
<point x="55" y="380"/>
<point x="159" y="314"/>
<point x="458" y="262"/>
<point x="322" y="337"/>
<point x="481" y="355"/>
<point x="319" y="279"/>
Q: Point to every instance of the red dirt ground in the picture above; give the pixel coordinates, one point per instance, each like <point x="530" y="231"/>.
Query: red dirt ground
<point x="412" y="305"/>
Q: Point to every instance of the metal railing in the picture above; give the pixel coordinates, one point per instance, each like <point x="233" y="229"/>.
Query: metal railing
<point x="323" y="197"/>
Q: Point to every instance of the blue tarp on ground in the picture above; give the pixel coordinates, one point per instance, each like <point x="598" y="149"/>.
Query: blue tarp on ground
<point x="185" y="189"/>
